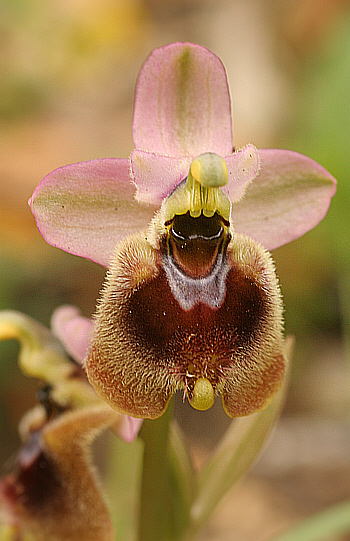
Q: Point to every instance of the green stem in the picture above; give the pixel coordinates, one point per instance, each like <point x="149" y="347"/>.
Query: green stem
<point x="155" y="520"/>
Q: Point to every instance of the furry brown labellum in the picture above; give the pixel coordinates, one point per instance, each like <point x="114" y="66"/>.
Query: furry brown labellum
<point x="54" y="493"/>
<point x="189" y="305"/>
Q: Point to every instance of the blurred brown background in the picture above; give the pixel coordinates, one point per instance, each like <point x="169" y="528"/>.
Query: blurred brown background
<point x="68" y="70"/>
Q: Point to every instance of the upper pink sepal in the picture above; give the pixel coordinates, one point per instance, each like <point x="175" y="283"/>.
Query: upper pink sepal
<point x="242" y="166"/>
<point x="182" y="103"/>
<point x="290" y="196"/>
<point x="156" y="176"/>
<point x="86" y="208"/>
<point x="73" y="330"/>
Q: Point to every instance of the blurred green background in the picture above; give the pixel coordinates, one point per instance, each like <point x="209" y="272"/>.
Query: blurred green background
<point x="68" y="70"/>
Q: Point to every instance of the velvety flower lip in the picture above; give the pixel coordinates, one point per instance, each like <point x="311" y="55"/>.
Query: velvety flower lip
<point x="54" y="494"/>
<point x="182" y="109"/>
<point x="290" y="196"/>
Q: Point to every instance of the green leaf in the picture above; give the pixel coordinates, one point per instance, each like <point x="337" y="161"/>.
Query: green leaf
<point x="182" y="478"/>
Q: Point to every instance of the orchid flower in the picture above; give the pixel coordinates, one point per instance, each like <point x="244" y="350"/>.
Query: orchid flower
<point x="54" y="493"/>
<point x="191" y="300"/>
<point x="49" y="494"/>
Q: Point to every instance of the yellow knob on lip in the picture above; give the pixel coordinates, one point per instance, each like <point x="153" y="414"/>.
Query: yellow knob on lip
<point x="203" y="395"/>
